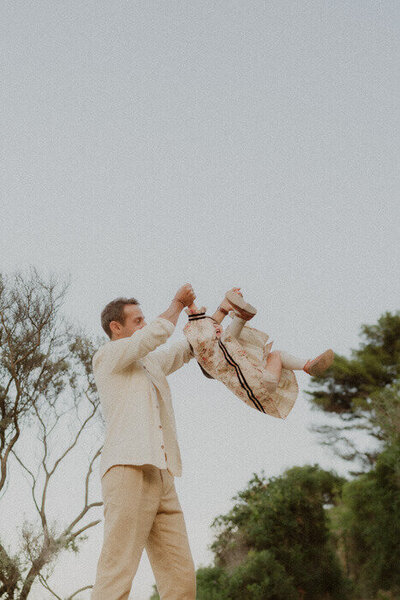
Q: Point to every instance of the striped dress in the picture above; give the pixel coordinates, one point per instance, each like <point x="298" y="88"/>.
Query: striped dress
<point x="240" y="365"/>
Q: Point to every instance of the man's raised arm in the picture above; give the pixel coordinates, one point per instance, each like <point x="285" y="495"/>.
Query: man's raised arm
<point x="121" y="353"/>
<point x="184" y="297"/>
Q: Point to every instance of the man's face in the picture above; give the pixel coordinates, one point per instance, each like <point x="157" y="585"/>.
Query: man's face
<point x="134" y="320"/>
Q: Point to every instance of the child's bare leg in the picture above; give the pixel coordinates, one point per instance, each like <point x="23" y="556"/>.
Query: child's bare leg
<point x="313" y="367"/>
<point x="219" y="315"/>
<point x="292" y="363"/>
<point x="272" y="371"/>
<point x="234" y="328"/>
<point x="241" y="316"/>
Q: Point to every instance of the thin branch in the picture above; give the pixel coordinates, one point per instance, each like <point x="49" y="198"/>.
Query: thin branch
<point x="5" y="456"/>
<point x="89" y="473"/>
<point x="45" y="584"/>
<point x="75" y="534"/>
<point x="82" y="589"/>
<point x="87" y="506"/>
<point x="44" y="364"/>
<point x="57" y="462"/>
<point x="30" y="351"/>
<point x="33" y="480"/>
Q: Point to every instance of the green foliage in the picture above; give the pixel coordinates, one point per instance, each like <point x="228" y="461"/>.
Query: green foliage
<point x="275" y="543"/>
<point x="155" y="595"/>
<point x="386" y="413"/>
<point x="370" y="526"/>
<point x="285" y="516"/>
<point x="261" y="577"/>
<point x="348" y="383"/>
<point x="10" y="573"/>
<point x="212" y="583"/>
<point x="360" y="390"/>
<point x="365" y="392"/>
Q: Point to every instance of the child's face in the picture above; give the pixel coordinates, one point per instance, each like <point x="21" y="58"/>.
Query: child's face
<point x="218" y="329"/>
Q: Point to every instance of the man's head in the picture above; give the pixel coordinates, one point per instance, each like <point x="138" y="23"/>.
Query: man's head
<point x="121" y="318"/>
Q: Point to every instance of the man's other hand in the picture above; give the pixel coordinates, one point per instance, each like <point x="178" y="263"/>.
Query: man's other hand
<point x="185" y="295"/>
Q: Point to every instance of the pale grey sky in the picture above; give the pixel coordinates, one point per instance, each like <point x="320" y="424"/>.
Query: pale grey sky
<point x="146" y="144"/>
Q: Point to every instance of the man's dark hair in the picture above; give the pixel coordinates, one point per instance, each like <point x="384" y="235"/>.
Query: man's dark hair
<point x="114" y="311"/>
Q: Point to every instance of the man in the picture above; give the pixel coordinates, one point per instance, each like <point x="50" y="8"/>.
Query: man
<point x="141" y="455"/>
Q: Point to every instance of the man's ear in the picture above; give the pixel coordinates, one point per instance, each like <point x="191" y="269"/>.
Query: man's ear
<point x="115" y="328"/>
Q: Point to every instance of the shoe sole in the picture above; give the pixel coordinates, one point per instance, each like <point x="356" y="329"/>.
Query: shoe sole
<point x="246" y="310"/>
<point x="321" y="363"/>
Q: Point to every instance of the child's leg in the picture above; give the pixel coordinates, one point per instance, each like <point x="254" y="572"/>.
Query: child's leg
<point x="292" y="363"/>
<point x="272" y="371"/>
<point x="238" y="304"/>
<point x="234" y="329"/>
<point x="313" y="367"/>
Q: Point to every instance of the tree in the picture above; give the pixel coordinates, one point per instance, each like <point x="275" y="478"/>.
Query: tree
<point x="48" y="400"/>
<point x="368" y="523"/>
<point x="32" y="364"/>
<point x="261" y="577"/>
<point x="364" y="392"/>
<point x="287" y="517"/>
<point x="275" y="543"/>
<point x="356" y="391"/>
<point x="211" y="583"/>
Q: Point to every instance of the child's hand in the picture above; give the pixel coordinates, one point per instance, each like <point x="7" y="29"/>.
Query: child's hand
<point x="193" y="310"/>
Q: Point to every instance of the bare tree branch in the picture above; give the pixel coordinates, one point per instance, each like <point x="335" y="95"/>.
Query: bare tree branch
<point x="46" y="585"/>
<point x="34" y="480"/>
<point x="45" y="378"/>
<point x="82" y="589"/>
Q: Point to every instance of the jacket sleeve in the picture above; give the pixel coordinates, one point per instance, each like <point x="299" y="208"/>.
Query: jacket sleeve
<point x="173" y="358"/>
<point x="120" y="354"/>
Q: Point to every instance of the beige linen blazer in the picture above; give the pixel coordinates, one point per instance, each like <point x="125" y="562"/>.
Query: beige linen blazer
<point x="135" y="398"/>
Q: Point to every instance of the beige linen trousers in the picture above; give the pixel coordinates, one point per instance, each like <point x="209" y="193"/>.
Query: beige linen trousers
<point x="142" y="511"/>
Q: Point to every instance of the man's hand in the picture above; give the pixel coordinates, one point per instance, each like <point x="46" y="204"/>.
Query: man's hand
<point x="185" y="295"/>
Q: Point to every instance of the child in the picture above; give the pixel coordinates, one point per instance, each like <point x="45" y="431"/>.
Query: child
<point x="241" y="357"/>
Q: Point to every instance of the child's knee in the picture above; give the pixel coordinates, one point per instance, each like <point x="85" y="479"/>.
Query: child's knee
<point x="270" y="382"/>
<point x="271" y="386"/>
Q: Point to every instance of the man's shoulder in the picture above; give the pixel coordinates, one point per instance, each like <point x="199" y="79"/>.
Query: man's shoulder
<point x="101" y="351"/>
<point x="110" y="345"/>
